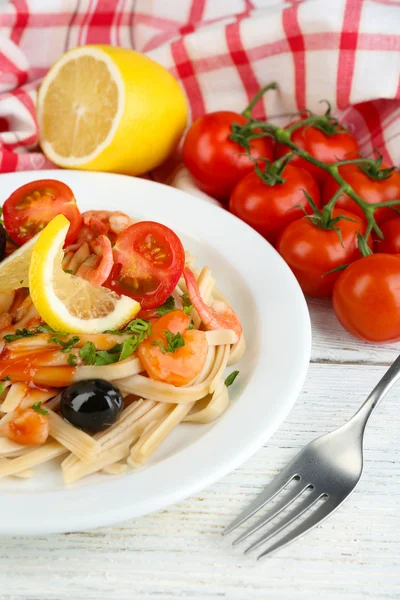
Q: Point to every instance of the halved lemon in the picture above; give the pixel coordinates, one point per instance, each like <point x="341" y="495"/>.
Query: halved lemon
<point x="105" y="108"/>
<point x="14" y="270"/>
<point x="68" y="303"/>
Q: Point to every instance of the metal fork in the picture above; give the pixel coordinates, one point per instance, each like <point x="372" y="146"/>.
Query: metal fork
<point x="325" y="472"/>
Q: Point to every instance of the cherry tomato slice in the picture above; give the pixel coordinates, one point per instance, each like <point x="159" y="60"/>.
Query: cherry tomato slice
<point x="32" y="206"/>
<point x="148" y="262"/>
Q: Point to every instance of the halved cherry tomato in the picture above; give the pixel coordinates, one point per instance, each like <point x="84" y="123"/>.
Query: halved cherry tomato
<point x="270" y="208"/>
<point x="311" y="252"/>
<point x="370" y="190"/>
<point x="326" y="148"/>
<point x="215" y="161"/>
<point x="391" y="242"/>
<point x="32" y="206"/>
<point x="366" y="298"/>
<point x="148" y="262"/>
<point x="184" y="364"/>
<point x="27" y="427"/>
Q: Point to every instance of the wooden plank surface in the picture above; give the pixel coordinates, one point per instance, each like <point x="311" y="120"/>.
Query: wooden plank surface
<point x="179" y="553"/>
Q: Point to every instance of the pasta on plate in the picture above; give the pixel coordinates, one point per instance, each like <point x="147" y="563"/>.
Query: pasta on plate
<point x="177" y="377"/>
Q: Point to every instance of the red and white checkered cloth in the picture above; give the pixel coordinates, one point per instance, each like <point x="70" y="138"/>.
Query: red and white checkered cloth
<point x="222" y="51"/>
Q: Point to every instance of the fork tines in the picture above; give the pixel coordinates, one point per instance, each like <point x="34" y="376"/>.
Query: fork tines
<point x="296" y="492"/>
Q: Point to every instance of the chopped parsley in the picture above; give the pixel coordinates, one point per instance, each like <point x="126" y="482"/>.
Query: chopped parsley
<point x="140" y="330"/>
<point x="165" y="308"/>
<point x="69" y="271"/>
<point x="139" y="326"/>
<point x="174" y="342"/>
<point x="47" y="329"/>
<point x="104" y="357"/>
<point x="88" y="353"/>
<point x="135" y="326"/>
<point x="65" y="346"/>
<point x="41" y="411"/>
<point x="3" y="384"/>
<point x="20" y="333"/>
<point x="187" y="305"/>
<point x="231" y="378"/>
<point x="71" y="360"/>
<point x="129" y="347"/>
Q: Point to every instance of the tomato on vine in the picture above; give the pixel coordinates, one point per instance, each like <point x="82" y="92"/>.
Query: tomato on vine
<point x="366" y="298"/>
<point x="220" y="148"/>
<point x="313" y="247"/>
<point x="373" y="181"/>
<point x="324" y="139"/>
<point x="390" y="244"/>
<point x="271" y="199"/>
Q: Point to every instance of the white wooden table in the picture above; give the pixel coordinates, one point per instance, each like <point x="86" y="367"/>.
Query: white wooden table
<point x="179" y="553"/>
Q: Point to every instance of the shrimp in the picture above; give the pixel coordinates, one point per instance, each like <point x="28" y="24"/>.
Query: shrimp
<point x="97" y="267"/>
<point x="103" y="222"/>
<point x="27" y="427"/>
<point x="176" y="367"/>
<point x="217" y="316"/>
<point x="100" y="222"/>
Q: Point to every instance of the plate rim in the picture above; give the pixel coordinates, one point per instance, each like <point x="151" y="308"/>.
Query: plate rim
<point x="105" y="517"/>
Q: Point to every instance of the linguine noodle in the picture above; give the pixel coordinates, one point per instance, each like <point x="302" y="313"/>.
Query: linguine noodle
<point x="153" y="409"/>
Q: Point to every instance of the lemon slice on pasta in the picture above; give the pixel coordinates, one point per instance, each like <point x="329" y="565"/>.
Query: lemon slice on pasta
<point x="14" y="270"/>
<point x="68" y="303"/>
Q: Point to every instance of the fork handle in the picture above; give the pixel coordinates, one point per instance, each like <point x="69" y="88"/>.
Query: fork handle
<point x="380" y="390"/>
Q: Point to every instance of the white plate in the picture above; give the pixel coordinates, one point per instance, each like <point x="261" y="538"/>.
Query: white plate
<point x="276" y="324"/>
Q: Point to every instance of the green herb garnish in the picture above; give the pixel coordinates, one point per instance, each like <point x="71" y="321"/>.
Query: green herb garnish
<point x="47" y="329"/>
<point x="19" y="334"/>
<point x="135" y="326"/>
<point x="88" y="353"/>
<point x="187" y="305"/>
<point x="69" y="271"/>
<point x="39" y="410"/>
<point x="140" y="329"/>
<point x="65" y="346"/>
<point x="174" y="342"/>
<point x="104" y="357"/>
<point x="3" y="384"/>
<point x="231" y="378"/>
<point x="165" y="308"/>
<point x="71" y="360"/>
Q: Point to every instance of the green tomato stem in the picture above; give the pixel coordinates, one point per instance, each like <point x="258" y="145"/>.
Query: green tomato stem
<point x="284" y="136"/>
<point x="247" y="111"/>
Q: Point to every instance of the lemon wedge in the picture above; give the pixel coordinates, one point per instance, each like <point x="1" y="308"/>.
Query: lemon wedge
<point x="105" y="108"/>
<point x="14" y="270"/>
<point x="68" y="303"/>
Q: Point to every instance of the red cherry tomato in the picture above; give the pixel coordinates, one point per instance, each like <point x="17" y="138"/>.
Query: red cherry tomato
<point x="32" y="206"/>
<point x="216" y="162"/>
<point x="370" y="190"/>
<point x="366" y="298"/>
<point x="391" y="242"/>
<point x="269" y="209"/>
<point x="328" y="149"/>
<point x="311" y="252"/>
<point x="149" y="260"/>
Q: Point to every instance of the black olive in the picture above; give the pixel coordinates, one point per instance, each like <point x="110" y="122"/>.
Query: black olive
<point x="92" y="405"/>
<point x="2" y="242"/>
